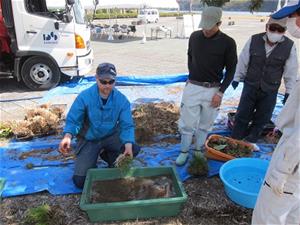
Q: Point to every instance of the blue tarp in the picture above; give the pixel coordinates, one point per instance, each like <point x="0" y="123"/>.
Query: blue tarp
<point x="79" y="84"/>
<point x="55" y="175"/>
<point x="156" y="89"/>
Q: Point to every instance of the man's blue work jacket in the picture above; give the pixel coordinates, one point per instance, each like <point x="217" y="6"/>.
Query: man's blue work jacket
<point x="103" y="120"/>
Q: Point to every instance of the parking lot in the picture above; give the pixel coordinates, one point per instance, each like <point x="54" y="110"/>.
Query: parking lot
<point x="132" y="57"/>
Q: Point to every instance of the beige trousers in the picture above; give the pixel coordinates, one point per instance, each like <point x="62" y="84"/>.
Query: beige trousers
<point x="196" y="114"/>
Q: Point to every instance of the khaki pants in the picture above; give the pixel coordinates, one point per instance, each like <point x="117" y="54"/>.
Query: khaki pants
<point x="196" y="114"/>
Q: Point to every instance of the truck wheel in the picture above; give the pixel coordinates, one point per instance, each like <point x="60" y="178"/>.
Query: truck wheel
<point x="40" y="73"/>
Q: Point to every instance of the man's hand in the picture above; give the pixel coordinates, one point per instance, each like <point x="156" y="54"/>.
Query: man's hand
<point x="216" y="100"/>
<point x="286" y="95"/>
<point x="277" y="181"/>
<point x="128" y="150"/>
<point x="234" y="84"/>
<point x="65" y="144"/>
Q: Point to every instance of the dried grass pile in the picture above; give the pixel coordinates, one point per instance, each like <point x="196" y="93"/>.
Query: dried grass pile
<point x="153" y="119"/>
<point x="43" y="120"/>
<point x="21" y="129"/>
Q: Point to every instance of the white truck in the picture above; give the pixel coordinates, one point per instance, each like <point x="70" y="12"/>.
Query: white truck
<point x="47" y="39"/>
<point x="148" y="15"/>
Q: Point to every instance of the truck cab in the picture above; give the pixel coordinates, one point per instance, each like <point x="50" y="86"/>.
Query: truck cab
<point x="46" y="38"/>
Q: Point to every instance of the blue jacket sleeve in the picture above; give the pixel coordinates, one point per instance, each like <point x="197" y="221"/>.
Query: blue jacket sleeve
<point x="126" y="124"/>
<point x="75" y="117"/>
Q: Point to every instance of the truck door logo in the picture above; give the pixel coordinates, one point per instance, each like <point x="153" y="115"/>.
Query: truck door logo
<point x="51" y="38"/>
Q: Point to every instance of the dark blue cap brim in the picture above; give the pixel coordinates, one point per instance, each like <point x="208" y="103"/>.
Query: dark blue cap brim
<point x="286" y="11"/>
<point x="107" y="76"/>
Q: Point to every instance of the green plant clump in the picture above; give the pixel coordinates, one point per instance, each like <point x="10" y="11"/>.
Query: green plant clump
<point x="123" y="162"/>
<point x="198" y="166"/>
<point x="39" y="216"/>
<point x="5" y="131"/>
<point x="226" y="146"/>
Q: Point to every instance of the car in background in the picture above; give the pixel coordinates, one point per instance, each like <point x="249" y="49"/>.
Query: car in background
<point x="148" y="15"/>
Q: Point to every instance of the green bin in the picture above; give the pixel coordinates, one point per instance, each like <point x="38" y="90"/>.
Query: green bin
<point x="135" y="209"/>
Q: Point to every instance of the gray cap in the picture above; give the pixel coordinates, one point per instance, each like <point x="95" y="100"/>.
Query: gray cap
<point x="210" y="17"/>
<point x="281" y="22"/>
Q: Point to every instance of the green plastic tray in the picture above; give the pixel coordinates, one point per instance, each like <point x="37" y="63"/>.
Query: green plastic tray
<point x="132" y="209"/>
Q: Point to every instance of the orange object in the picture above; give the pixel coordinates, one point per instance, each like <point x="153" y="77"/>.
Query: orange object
<point x="79" y="42"/>
<point x="70" y="54"/>
<point x="210" y="155"/>
<point x="218" y="155"/>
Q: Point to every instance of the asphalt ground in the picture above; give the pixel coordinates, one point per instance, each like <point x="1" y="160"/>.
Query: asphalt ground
<point x="131" y="56"/>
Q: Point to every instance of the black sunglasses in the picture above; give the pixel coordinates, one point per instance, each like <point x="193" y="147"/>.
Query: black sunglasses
<point x="274" y="28"/>
<point x="104" y="82"/>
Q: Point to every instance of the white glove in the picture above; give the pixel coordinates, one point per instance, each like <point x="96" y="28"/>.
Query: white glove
<point x="277" y="180"/>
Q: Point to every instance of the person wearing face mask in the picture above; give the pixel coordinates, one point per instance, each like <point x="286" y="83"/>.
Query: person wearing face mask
<point x="101" y="119"/>
<point x="278" y="201"/>
<point x="210" y="51"/>
<point x="265" y="59"/>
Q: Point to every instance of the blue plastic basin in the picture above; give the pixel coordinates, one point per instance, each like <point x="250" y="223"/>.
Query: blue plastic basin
<point x="242" y="179"/>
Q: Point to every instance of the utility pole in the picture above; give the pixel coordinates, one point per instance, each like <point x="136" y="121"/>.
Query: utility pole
<point x="95" y="2"/>
<point x="278" y="5"/>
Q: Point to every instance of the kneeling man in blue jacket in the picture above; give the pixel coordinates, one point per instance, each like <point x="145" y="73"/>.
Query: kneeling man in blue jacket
<point x="101" y="119"/>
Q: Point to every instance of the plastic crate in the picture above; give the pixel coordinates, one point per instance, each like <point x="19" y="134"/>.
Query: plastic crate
<point x="132" y="209"/>
<point x="267" y="128"/>
<point x="242" y="179"/>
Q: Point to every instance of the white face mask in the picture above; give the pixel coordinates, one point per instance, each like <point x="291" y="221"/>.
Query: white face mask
<point x="274" y="37"/>
<point x="292" y="27"/>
